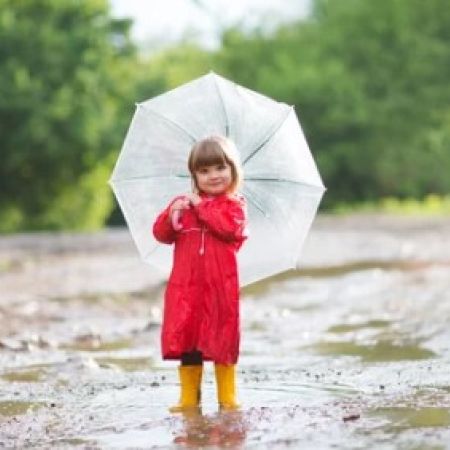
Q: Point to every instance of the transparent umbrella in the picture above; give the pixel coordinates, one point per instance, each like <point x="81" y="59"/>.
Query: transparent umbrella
<point x="282" y="185"/>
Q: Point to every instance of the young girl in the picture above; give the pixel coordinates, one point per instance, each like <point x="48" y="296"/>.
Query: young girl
<point x="201" y="301"/>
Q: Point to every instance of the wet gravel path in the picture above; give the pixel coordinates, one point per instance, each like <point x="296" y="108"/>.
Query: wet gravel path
<point x="350" y="351"/>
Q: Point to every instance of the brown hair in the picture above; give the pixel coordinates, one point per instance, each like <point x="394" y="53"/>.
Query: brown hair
<point x="215" y="150"/>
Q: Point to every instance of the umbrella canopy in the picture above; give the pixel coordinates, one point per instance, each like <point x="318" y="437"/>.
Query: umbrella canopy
<point x="282" y="185"/>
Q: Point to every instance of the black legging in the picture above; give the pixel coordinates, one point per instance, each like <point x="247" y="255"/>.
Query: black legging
<point x="193" y="358"/>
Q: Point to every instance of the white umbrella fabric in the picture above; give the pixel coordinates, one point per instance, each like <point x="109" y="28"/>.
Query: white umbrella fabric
<point x="282" y="185"/>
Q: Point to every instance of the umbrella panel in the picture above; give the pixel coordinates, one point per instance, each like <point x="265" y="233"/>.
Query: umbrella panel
<point x="280" y="215"/>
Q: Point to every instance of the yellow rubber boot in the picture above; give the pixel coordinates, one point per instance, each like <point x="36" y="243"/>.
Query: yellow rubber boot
<point x="190" y="380"/>
<point x="226" y="386"/>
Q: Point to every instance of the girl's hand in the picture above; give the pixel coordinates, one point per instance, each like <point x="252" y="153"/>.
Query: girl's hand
<point x="193" y="198"/>
<point x="179" y="204"/>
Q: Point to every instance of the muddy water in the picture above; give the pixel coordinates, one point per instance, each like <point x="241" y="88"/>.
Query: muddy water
<point x="350" y="351"/>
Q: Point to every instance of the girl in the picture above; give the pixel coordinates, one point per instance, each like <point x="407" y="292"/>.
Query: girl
<point x="201" y="301"/>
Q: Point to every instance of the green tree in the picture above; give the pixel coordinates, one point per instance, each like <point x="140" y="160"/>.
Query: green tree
<point x="62" y="109"/>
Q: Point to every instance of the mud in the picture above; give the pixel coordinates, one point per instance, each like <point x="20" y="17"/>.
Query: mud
<point x="349" y="351"/>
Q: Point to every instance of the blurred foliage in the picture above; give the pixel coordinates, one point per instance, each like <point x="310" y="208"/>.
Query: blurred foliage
<point x="60" y="93"/>
<point x="369" y="81"/>
<point x="430" y="205"/>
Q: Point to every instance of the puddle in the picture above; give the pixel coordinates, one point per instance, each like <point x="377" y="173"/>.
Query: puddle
<point x="97" y="345"/>
<point x="257" y="326"/>
<point x="30" y="374"/>
<point x="118" y="299"/>
<point x="381" y="351"/>
<point x="260" y="288"/>
<point x="404" y="417"/>
<point x="57" y="443"/>
<point x="333" y="271"/>
<point x="26" y="376"/>
<point x="7" y="265"/>
<point x="345" y="328"/>
<point x="15" y="408"/>
<point x="157" y="437"/>
<point x="127" y="364"/>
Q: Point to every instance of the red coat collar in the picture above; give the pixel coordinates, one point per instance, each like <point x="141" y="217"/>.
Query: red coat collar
<point x="214" y="197"/>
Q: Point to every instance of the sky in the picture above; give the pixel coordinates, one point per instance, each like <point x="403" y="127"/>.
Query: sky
<point x="164" y="21"/>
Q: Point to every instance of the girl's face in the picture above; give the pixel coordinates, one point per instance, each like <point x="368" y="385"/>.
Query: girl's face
<point x="215" y="179"/>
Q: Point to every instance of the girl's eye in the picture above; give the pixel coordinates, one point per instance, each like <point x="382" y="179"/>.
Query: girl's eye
<point x="221" y="167"/>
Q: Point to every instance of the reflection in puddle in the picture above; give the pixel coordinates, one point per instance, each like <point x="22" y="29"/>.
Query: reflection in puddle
<point x="381" y="351"/>
<point x="14" y="408"/>
<point x="403" y="417"/>
<point x="225" y="429"/>
<point x="189" y="429"/>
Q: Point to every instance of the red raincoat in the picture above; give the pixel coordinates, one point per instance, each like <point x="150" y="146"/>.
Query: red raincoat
<point x="201" y="301"/>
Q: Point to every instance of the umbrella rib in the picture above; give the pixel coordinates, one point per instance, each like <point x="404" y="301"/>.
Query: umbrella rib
<point x="307" y="228"/>
<point x="193" y="138"/>
<point x="227" y="123"/>
<point x="268" y="138"/>
<point x="255" y="202"/>
<point x="153" y="250"/>
<point x="252" y="199"/>
<point x="284" y="180"/>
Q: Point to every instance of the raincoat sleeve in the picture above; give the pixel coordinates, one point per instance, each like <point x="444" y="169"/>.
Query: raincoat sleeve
<point x="228" y="220"/>
<point x="162" y="228"/>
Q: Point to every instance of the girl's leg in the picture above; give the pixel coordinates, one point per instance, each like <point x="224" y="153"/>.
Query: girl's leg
<point x="193" y="358"/>
<point x="190" y="373"/>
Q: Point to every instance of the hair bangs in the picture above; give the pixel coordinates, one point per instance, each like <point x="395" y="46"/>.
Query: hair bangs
<point x="208" y="153"/>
